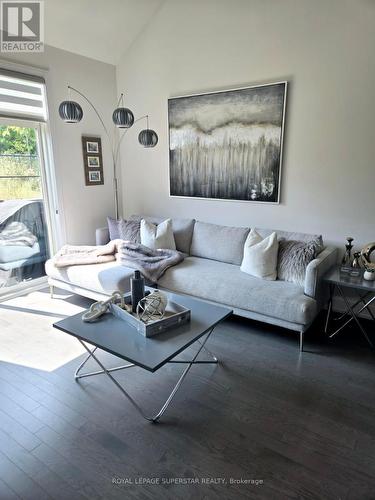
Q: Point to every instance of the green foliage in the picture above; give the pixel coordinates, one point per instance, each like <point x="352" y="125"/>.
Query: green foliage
<point x="20" y="189"/>
<point x="19" y="166"/>
<point x="17" y="140"/>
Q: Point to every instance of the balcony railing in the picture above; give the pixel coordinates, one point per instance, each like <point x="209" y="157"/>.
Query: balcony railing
<point x="19" y="176"/>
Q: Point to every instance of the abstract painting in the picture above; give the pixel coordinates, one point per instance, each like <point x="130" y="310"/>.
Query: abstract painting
<point x="227" y="145"/>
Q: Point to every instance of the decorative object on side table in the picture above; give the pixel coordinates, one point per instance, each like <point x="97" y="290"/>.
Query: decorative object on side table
<point x="346" y="263"/>
<point x="92" y="160"/>
<point x="71" y="112"/>
<point x="369" y="273"/>
<point x="356" y="270"/>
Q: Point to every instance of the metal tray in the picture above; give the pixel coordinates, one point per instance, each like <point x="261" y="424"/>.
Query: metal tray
<point x="175" y="315"/>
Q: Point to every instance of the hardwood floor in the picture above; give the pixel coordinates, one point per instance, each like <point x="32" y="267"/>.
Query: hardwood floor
<point x="301" y="424"/>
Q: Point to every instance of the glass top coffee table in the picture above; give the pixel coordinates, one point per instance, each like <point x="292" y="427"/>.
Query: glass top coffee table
<point x="124" y="341"/>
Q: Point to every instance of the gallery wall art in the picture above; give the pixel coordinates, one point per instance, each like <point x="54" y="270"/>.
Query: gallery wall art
<point x="228" y="145"/>
<point x="92" y="160"/>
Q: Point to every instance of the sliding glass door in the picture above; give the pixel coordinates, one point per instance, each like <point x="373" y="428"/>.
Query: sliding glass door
<point x="24" y="220"/>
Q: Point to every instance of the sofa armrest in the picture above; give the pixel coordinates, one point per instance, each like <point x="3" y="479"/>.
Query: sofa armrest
<point x="102" y="236"/>
<point x="316" y="269"/>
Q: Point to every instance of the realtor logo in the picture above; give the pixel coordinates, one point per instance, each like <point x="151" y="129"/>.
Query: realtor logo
<point x="22" y="26"/>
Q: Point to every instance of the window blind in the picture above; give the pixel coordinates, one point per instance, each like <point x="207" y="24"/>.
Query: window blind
<point x="22" y="96"/>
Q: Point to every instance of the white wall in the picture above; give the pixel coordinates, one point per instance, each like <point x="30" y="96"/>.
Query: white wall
<point x="83" y="207"/>
<point x="324" y="48"/>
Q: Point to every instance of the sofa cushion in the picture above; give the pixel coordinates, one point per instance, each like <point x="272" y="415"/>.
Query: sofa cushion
<point x="222" y="243"/>
<point x="102" y="236"/>
<point x="104" y="278"/>
<point x="114" y="227"/>
<point x="260" y="256"/>
<point x="157" y="236"/>
<point x="291" y="236"/>
<point x="122" y="229"/>
<point x="182" y="230"/>
<point x="183" y="233"/>
<point x="226" y="284"/>
<point x="131" y="231"/>
<point x="293" y="259"/>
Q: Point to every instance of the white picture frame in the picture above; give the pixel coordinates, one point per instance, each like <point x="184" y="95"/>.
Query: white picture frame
<point x="95" y="176"/>
<point x="92" y="147"/>
<point x="93" y="161"/>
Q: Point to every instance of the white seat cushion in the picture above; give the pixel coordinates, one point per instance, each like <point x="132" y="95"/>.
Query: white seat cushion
<point x="103" y="278"/>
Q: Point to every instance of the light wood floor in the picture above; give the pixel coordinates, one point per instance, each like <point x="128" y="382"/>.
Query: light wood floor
<point x="302" y="424"/>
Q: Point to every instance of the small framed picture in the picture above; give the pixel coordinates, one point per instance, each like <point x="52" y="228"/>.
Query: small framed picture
<point x="92" y="146"/>
<point x="94" y="176"/>
<point x="93" y="161"/>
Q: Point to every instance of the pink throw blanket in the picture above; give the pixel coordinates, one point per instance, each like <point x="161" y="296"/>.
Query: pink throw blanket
<point x="75" y="255"/>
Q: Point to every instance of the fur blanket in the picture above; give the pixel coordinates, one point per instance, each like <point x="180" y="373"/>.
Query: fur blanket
<point x="17" y="234"/>
<point x="76" y="255"/>
<point x="151" y="263"/>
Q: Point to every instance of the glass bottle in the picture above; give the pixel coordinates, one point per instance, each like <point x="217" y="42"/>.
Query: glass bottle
<point x="357" y="260"/>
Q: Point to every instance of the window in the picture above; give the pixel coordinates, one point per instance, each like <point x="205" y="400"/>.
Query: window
<point x="26" y="184"/>
<point x="22" y="96"/>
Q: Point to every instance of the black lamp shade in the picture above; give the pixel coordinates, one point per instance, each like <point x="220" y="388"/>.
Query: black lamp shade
<point x="148" y="138"/>
<point x="123" y="118"/>
<point x="70" y="112"/>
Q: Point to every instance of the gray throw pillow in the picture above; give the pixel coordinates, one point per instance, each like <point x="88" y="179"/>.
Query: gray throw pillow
<point x="130" y="231"/>
<point x="293" y="259"/>
<point x="124" y="229"/>
<point x="114" y="228"/>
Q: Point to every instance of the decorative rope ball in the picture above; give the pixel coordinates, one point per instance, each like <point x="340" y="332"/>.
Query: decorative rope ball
<point x="152" y="307"/>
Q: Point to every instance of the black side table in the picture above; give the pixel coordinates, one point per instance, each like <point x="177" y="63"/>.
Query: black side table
<point x="365" y="290"/>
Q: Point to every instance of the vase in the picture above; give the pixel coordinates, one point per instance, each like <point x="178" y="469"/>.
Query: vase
<point x="346" y="262"/>
<point x="369" y="276"/>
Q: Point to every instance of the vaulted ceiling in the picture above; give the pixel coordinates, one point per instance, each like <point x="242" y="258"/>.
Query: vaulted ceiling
<point x="101" y="29"/>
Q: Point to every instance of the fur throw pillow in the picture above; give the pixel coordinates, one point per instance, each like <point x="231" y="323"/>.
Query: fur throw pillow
<point x="122" y="229"/>
<point x="293" y="259"/>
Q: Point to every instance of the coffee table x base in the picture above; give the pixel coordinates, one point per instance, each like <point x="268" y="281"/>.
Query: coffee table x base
<point x="108" y="371"/>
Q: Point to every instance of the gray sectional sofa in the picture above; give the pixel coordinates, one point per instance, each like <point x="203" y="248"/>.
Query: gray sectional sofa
<point x="211" y="271"/>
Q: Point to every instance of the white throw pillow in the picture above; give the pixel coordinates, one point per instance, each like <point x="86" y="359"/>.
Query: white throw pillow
<point x="260" y="256"/>
<point x="157" y="236"/>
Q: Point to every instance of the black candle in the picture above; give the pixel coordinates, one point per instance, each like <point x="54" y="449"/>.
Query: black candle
<point x="137" y="288"/>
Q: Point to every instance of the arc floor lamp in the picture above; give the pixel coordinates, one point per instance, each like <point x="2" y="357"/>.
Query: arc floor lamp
<point x="123" y="118"/>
